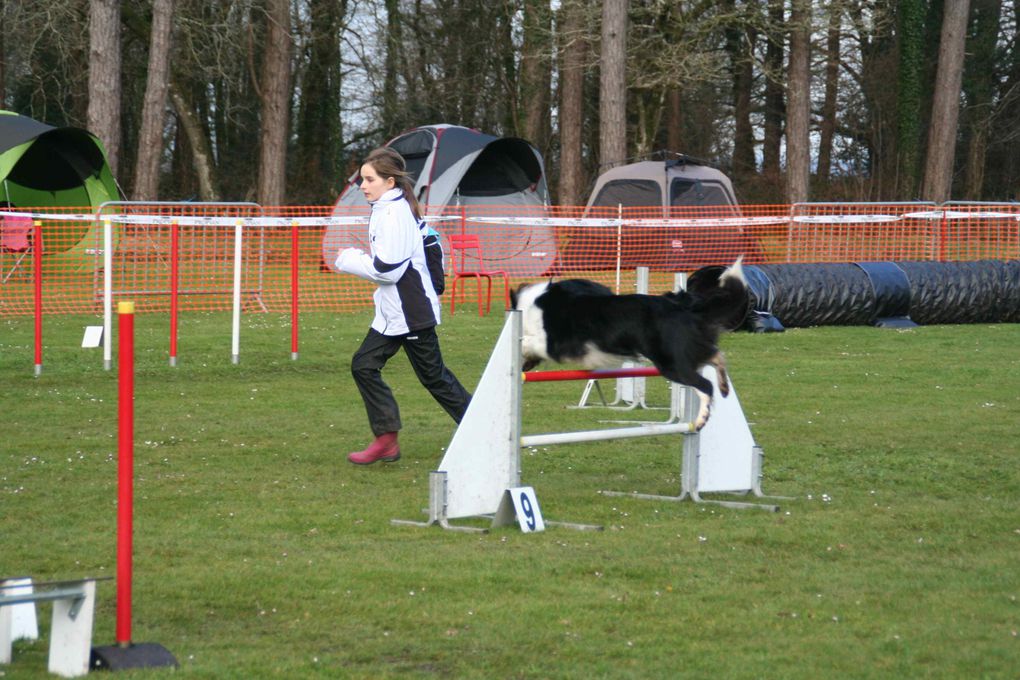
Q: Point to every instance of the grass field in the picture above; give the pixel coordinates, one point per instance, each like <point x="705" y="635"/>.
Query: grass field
<point x="261" y="553"/>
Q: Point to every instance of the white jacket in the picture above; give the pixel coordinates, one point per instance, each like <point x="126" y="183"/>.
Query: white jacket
<point x="405" y="300"/>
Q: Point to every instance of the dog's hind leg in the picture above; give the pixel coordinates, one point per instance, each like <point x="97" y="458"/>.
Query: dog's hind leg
<point x="719" y="361"/>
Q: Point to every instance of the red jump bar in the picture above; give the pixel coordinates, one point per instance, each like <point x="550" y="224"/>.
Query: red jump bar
<point x="553" y="376"/>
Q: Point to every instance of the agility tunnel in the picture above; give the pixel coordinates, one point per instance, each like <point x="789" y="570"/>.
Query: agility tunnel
<point x="888" y="294"/>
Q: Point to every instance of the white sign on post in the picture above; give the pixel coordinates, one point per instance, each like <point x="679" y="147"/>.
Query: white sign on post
<point x="93" y="336"/>
<point x="524" y="503"/>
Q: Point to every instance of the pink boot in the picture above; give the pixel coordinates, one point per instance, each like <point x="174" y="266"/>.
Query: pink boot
<point x="384" y="448"/>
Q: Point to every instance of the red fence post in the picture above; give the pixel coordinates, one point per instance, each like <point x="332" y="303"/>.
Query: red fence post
<point x="37" y="250"/>
<point x="174" y="278"/>
<point x="125" y="654"/>
<point x="294" y="290"/>
<point x="125" y="464"/>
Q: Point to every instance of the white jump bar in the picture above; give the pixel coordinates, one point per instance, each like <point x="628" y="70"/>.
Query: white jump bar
<point x="611" y="433"/>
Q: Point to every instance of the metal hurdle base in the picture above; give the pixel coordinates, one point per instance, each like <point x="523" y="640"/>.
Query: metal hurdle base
<point x="689" y="481"/>
<point x="437" y="513"/>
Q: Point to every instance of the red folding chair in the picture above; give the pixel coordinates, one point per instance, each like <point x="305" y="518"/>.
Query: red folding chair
<point x="462" y="245"/>
<point x="15" y="232"/>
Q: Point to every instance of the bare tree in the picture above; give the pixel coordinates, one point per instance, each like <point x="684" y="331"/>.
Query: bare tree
<point x="938" y="170"/>
<point x="741" y="36"/>
<point x="774" y="102"/>
<point x="979" y="81"/>
<point x="104" y="76"/>
<point x="536" y="73"/>
<point x="674" y="119"/>
<point x="573" y="48"/>
<point x="3" y="57"/>
<point x="274" y="92"/>
<point x="150" y="136"/>
<point x="613" y="85"/>
<point x="827" y="124"/>
<point x="318" y="155"/>
<point x="201" y="154"/>
<point x="798" y="143"/>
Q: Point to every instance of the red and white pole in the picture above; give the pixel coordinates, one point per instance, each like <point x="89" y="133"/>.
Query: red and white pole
<point x="125" y="465"/>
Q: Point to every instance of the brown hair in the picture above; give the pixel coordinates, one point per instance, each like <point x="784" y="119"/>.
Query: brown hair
<point x="388" y="163"/>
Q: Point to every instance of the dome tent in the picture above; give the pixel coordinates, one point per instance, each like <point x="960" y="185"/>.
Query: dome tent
<point x="458" y="166"/>
<point x="43" y="166"/>
<point x="453" y="165"/>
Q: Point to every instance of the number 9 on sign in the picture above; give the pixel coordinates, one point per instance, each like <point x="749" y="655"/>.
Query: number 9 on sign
<point x="529" y="515"/>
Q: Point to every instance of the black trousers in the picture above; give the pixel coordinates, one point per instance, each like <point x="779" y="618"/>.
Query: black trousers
<point x="422" y="348"/>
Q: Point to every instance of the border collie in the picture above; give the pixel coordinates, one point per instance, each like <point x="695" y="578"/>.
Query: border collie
<point x="582" y="322"/>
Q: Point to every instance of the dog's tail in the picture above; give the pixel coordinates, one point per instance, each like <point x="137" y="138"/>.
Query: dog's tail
<point x="721" y="292"/>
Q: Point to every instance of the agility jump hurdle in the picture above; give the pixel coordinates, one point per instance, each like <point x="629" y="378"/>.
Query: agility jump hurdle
<point x="483" y="460"/>
<point x="74" y="604"/>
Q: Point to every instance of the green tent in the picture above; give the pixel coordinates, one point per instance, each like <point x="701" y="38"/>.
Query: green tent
<point x="42" y="166"/>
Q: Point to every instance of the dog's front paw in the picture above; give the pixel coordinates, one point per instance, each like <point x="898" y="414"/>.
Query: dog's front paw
<point x="702" y="419"/>
<point x="530" y="364"/>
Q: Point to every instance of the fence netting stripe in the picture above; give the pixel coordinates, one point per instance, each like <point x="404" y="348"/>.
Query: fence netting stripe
<point x="527" y="243"/>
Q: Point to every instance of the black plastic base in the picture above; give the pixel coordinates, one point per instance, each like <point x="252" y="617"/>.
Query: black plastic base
<point x="136" y="655"/>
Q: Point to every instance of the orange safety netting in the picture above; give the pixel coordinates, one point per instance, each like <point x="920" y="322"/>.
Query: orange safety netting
<point x="158" y="247"/>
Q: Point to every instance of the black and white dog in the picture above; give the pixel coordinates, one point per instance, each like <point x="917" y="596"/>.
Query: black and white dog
<point x="582" y="322"/>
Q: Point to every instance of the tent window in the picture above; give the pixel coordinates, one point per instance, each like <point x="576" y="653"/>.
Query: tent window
<point x="629" y="192"/>
<point x="504" y="167"/>
<point x="697" y="192"/>
<point x="414" y="166"/>
<point x="415" y="147"/>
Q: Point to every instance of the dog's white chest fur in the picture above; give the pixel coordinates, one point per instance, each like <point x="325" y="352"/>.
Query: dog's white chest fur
<point x="533" y="340"/>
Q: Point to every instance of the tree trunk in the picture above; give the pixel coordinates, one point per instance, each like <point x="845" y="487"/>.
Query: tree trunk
<point x="798" y="142"/>
<point x="674" y="120"/>
<point x="613" y="85"/>
<point x="536" y="74"/>
<point x="3" y="57"/>
<point x="774" y="103"/>
<point x="740" y="39"/>
<point x="319" y="148"/>
<point x="911" y="22"/>
<point x="827" y="126"/>
<point x="150" y="137"/>
<point x="573" y="48"/>
<point x="977" y="152"/>
<point x="979" y="81"/>
<point x="938" y="171"/>
<point x="104" y="76"/>
<point x="275" y="96"/>
<point x="392" y="60"/>
<point x="201" y="154"/>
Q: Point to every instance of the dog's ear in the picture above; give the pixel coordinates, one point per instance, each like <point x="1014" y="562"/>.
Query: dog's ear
<point x="515" y="294"/>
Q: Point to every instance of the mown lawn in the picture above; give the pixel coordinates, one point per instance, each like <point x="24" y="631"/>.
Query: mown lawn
<point x="260" y="552"/>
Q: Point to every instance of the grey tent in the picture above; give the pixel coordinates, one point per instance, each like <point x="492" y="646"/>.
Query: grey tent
<point x="681" y="188"/>
<point x="458" y="166"/>
<point x="453" y="165"/>
<point x="678" y="182"/>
